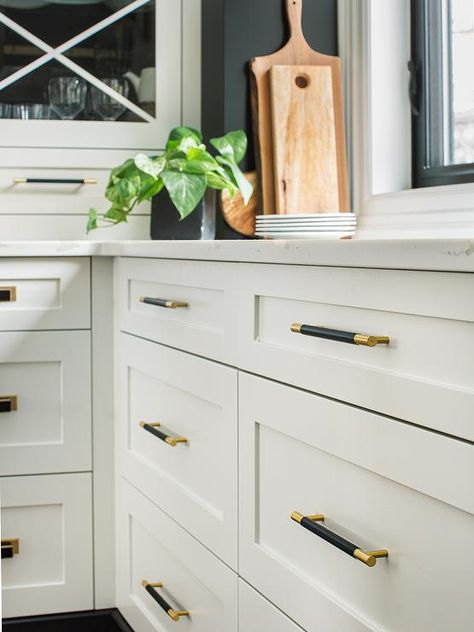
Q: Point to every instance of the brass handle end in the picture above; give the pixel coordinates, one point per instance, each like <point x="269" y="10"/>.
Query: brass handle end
<point x="176" y="304"/>
<point x="370" y="341"/>
<point x="296" y="328"/>
<point x="369" y="558"/>
<point x="176" y="614"/>
<point x="297" y="517"/>
<point x="90" y="181"/>
<point x="173" y="441"/>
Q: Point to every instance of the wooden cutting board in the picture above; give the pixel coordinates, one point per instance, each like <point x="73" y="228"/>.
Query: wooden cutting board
<point x="296" y="52"/>
<point x="305" y="151"/>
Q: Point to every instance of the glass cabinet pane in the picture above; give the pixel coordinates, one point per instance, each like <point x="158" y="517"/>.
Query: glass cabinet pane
<point x="101" y="68"/>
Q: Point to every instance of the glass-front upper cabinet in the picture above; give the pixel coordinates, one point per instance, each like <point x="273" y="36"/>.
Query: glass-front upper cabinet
<point x="90" y="73"/>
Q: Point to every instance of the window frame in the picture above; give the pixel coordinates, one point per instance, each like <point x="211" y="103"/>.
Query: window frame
<point x="423" y="174"/>
<point x="375" y="47"/>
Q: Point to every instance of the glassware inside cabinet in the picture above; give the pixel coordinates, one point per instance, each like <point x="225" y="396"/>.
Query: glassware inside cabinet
<point x="83" y="60"/>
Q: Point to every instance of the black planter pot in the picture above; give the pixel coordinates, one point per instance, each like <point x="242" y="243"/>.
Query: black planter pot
<point x="205" y="223"/>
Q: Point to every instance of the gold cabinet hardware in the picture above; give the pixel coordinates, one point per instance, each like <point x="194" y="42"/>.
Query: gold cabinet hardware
<point x="8" y="294"/>
<point x="312" y="523"/>
<point x="163" y="302"/>
<point x="338" y="335"/>
<point x="173" y="614"/>
<point x="8" y="403"/>
<point x="152" y="428"/>
<point x="10" y="547"/>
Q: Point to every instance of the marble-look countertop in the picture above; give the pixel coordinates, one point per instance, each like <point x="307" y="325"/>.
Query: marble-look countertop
<point x="451" y="255"/>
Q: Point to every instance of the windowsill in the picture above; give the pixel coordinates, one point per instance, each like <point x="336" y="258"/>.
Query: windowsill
<point x="435" y="212"/>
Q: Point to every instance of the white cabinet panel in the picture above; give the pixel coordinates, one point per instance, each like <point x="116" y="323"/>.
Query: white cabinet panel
<point x="381" y="484"/>
<point x="206" y="325"/>
<point x="49" y="426"/>
<point x="46" y="293"/>
<point x="256" y="614"/>
<point x="154" y="548"/>
<point x="194" y="482"/>
<point x="430" y="356"/>
<point x="51" y="517"/>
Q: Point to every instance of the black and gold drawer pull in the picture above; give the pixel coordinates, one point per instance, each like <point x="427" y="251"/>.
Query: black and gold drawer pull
<point x="340" y="336"/>
<point x="54" y="181"/>
<point x="153" y="429"/>
<point x="312" y="523"/>
<point x="10" y="548"/>
<point x="171" y="612"/>
<point x="7" y="294"/>
<point x="8" y="403"/>
<point x="163" y="302"/>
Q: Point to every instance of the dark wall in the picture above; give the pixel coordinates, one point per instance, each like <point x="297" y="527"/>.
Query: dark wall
<point x="234" y="31"/>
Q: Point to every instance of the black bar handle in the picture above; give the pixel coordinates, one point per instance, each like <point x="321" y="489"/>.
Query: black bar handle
<point x="312" y="523"/>
<point x="163" y="302"/>
<point x="8" y="403"/>
<point x="171" y="612"/>
<point x="10" y="548"/>
<point x="8" y="294"/>
<point x="338" y="335"/>
<point x="54" y="181"/>
<point x="152" y="428"/>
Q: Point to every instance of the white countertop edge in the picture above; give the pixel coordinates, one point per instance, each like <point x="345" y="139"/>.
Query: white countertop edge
<point x="451" y="255"/>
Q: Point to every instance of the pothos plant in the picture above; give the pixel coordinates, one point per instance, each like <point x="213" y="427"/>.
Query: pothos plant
<point x="185" y="169"/>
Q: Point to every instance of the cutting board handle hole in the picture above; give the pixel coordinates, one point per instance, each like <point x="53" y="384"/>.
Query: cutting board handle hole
<point x="302" y="81"/>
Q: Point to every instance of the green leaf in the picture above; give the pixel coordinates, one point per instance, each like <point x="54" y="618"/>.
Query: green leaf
<point x="216" y="181"/>
<point x="180" y="136"/>
<point x="149" y="189"/>
<point x="186" y="190"/>
<point x="151" y="166"/>
<point x="116" y="215"/>
<point x="92" y="220"/>
<point x="233" y="145"/>
<point x="244" y="186"/>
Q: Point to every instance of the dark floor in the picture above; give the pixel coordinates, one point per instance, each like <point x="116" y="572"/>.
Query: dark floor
<point x="97" y="621"/>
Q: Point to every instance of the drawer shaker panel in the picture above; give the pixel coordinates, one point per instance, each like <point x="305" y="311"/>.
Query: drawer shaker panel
<point x="52" y="191"/>
<point x="44" y="294"/>
<point x="256" y="614"/>
<point x="366" y="521"/>
<point x="178" y="438"/>
<point x="45" y="402"/>
<point x="184" y="304"/>
<point x="46" y="544"/>
<point x="165" y="577"/>
<point x="382" y="339"/>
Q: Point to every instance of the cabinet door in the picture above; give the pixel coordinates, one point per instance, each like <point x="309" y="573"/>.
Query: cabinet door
<point x="151" y="549"/>
<point x="257" y="614"/>
<point x="48" y="521"/>
<point x="106" y="73"/>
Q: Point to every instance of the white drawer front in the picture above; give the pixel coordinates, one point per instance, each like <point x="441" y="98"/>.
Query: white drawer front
<point x="381" y="484"/>
<point x="44" y="294"/>
<point x="256" y="614"/>
<point x="427" y="316"/>
<point x="154" y="548"/>
<point x="206" y="326"/>
<point x="194" y="482"/>
<point x="49" y="375"/>
<point x="54" y="191"/>
<point x="51" y="517"/>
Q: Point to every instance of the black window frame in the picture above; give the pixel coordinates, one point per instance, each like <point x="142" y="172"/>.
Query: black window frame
<point x="424" y="108"/>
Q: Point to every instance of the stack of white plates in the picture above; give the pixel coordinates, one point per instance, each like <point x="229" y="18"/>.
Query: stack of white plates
<point x="316" y="226"/>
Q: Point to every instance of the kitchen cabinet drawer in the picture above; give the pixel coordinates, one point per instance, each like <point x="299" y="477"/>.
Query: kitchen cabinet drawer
<point x="194" y="482"/>
<point x="380" y="484"/>
<point x="44" y="294"/>
<point x="257" y="614"/>
<point x="45" y="402"/>
<point x="51" y="518"/>
<point x="204" y="323"/>
<point x="152" y="548"/>
<point x="427" y="316"/>
<point x="52" y="191"/>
